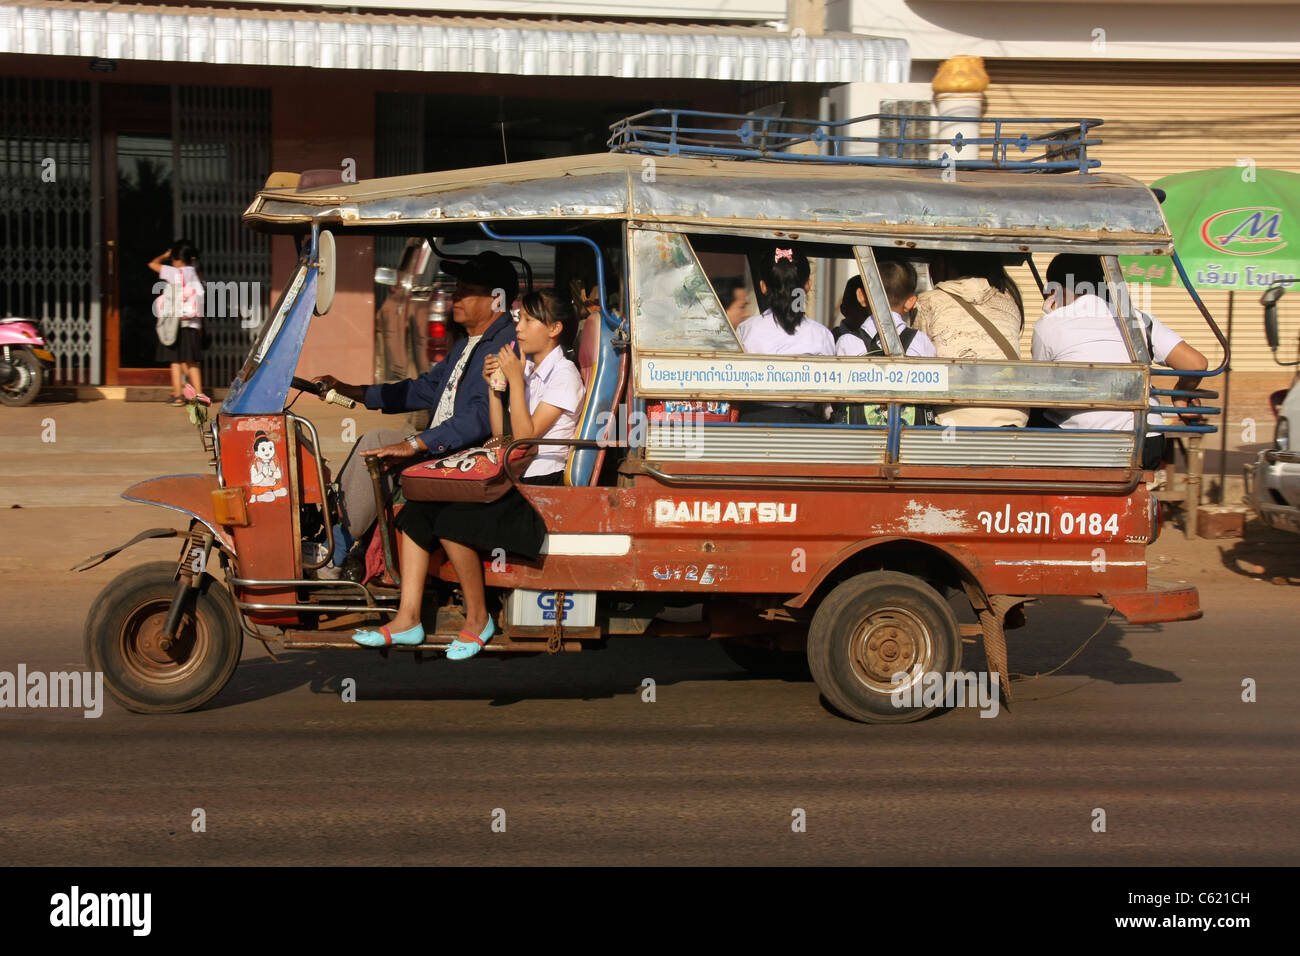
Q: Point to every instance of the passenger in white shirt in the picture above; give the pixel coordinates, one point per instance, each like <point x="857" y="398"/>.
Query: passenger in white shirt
<point x="859" y="335"/>
<point x="785" y="329"/>
<point x="1079" y="325"/>
<point x="858" y="317"/>
<point x="545" y="396"/>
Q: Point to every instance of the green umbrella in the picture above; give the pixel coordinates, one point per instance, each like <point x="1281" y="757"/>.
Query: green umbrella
<point x="1233" y="228"/>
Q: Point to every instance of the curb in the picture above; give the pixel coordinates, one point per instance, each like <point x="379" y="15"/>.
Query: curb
<point x="118" y="393"/>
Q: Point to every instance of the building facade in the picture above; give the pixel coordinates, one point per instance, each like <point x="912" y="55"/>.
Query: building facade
<point x="128" y="125"/>
<point x="1181" y="85"/>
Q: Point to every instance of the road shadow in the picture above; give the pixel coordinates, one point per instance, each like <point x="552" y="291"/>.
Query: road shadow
<point x="1264" y="554"/>
<point x="617" y="669"/>
<point x="1056" y="628"/>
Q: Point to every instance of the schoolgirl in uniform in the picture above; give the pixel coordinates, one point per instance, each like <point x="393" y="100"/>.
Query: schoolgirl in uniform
<point x="785" y="329"/>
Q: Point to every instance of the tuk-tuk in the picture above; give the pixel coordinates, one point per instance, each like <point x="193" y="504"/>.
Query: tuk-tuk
<point x="830" y="547"/>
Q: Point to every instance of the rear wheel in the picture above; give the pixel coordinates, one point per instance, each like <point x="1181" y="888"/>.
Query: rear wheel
<point x="144" y="673"/>
<point x="27" y="381"/>
<point x="871" y="627"/>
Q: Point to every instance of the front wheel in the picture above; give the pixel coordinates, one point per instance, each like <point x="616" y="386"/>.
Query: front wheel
<point x="870" y="628"/>
<point x="141" y="672"/>
<point x="28" y="376"/>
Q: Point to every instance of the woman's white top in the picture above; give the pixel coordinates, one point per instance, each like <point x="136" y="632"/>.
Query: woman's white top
<point x="761" y="334"/>
<point x="555" y="381"/>
<point x="188" y="291"/>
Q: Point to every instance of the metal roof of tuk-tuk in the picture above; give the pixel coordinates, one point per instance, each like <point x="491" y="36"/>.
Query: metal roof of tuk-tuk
<point x="814" y="201"/>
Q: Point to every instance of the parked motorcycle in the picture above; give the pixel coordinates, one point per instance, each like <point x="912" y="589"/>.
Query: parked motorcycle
<point x="24" y="360"/>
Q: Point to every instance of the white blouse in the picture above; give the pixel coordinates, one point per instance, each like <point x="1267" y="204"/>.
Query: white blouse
<point x="761" y="334"/>
<point x="556" y="381"/>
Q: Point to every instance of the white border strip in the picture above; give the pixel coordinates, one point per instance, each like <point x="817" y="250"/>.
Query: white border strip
<point x="587" y="545"/>
<point x="1073" y="564"/>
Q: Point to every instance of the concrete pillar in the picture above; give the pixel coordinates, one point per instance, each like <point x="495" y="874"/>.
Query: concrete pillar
<point x="959" y="87"/>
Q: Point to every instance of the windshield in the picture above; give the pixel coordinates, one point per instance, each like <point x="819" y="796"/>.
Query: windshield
<point x="266" y="338"/>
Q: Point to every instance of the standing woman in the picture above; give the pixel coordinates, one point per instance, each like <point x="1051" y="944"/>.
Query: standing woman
<point x="186" y="294"/>
<point x="544" y="396"/>
<point x="785" y="329"/>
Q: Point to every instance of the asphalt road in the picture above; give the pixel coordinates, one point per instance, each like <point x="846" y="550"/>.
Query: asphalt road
<point x="1146" y="724"/>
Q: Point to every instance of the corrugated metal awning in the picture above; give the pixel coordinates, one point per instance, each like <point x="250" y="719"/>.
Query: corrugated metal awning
<point x="835" y="203"/>
<point x="352" y="41"/>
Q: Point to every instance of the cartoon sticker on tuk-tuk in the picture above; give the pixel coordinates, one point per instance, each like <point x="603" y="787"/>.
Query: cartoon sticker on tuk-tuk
<point x="265" y="475"/>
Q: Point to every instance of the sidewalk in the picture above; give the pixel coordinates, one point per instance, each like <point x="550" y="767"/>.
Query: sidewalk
<point x="95" y="442"/>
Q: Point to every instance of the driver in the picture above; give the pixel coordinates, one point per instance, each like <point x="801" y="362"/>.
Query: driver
<point x="454" y="389"/>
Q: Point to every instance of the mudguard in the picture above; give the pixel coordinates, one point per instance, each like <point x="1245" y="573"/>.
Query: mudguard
<point x="190" y="495"/>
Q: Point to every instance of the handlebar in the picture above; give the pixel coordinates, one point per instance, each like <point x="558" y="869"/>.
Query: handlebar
<point x="318" y="389"/>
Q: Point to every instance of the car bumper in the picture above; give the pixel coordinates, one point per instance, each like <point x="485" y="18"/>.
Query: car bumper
<point x="1268" y="481"/>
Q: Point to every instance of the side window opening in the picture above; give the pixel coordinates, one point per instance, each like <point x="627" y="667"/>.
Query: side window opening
<point x="674" y="304"/>
<point x="733" y="283"/>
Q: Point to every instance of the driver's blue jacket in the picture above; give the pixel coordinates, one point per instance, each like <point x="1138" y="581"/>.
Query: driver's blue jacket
<point x="469" y="424"/>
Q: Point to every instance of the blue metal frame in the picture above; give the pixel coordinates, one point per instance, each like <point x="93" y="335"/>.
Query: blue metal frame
<point x="606" y="316"/>
<point x="267" y="388"/>
<point x="771" y="138"/>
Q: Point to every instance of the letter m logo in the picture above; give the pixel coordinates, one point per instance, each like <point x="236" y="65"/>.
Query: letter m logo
<point x="1255" y="228"/>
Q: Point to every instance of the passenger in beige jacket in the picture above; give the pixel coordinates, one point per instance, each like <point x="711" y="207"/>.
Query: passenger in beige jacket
<point x="978" y="281"/>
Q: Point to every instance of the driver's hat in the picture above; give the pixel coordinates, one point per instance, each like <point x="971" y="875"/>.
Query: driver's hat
<point x="488" y="269"/>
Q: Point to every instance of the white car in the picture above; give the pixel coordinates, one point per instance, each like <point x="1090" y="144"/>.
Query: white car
<point x="1273" y="481"/>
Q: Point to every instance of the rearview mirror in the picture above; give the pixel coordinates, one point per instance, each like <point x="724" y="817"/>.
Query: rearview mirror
<point x="1269" y="301"/>
<point x="385" y="276"/>
<point x="325" y="272"/>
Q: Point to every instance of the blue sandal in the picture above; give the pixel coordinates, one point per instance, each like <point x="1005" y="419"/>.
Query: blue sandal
<point x="386" y="638"/>
<point x="467" y="644"/>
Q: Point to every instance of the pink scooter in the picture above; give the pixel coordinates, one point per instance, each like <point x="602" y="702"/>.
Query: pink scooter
<point x="24" y="360"/>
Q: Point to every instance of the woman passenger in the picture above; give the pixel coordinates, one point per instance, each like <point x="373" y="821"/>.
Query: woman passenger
<point x="784" y="329"/>
<point x="968" y="284"/>
<point x="545" y="394"/>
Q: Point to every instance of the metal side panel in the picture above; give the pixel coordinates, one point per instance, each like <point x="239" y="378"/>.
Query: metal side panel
<point x="748" y="443"/>
<point x="1061" y="448"/>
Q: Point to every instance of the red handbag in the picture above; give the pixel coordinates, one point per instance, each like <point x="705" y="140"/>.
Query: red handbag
<point x="475" y="474"/>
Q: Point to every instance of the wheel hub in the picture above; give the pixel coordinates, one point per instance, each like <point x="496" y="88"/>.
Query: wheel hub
<point x="890" y="640"/>
<point x="18" y="380"/>
<point x="152" y="656"/>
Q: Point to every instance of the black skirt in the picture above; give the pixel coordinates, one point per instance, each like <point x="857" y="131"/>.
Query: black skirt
<point x="187" y="348"/>
<point x="509" y="523"/>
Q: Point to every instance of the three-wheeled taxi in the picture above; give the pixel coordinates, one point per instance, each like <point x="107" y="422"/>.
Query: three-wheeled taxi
<point x="827" y="546"/>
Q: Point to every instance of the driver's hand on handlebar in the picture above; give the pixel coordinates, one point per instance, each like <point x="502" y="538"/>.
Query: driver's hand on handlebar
<point x="327" y="382"/>
<point x="355" y="392"/>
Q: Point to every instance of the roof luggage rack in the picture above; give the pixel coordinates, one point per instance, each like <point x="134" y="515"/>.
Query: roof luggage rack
<point x="1021" y="144"/>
